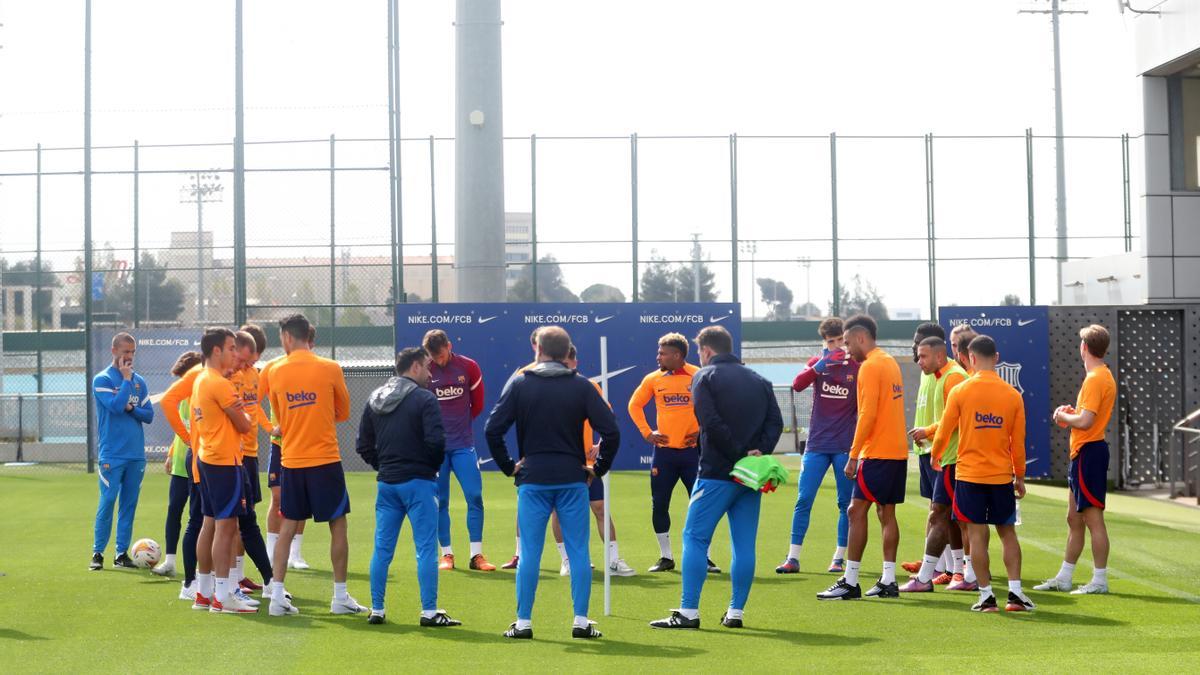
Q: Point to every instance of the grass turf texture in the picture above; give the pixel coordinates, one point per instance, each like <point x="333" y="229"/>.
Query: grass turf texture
<point x="56" y="616"/>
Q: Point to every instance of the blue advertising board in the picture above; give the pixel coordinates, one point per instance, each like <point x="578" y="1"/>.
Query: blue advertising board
<point x="157" y="351"/>
<point x="617" y="343"/>
<point x="1022" y="336"/>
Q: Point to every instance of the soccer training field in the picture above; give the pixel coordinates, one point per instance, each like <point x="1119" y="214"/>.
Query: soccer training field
<point x="55" y="616"/>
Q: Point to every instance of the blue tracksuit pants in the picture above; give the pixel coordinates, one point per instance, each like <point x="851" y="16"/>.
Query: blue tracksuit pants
<point x="118" y="480"/>
<point x="711" y="501"/>
<point x="416" y="499"/>
<point x="464" y="462"/>
<point x="534" y="505"/>
<point x="812" y="472"/>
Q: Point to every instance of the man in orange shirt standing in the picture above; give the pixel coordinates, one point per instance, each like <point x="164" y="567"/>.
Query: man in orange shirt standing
<point x="989" y="416"/>
<point x="1088" y="475"/>
<point x="309" y="397"/>
<point x="878" y="460"/>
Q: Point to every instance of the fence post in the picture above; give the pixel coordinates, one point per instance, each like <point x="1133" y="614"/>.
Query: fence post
<point x="21" y="428"/>
<point x="397" y="199"/>
<point x="88" y="281"/>
<point x="1125" y="192"/>
<point x="137" y="261"/>
<point x="332" y="249"/>
<point x="1029" y="206"/>
<point x="533" y="239"/>
<point x="633" y="200"/>
<point x="733" y="213"/>
<point x="837" y="289"/>
<point x="37" y="274"/>
<point x="931" y="232"/>
<point x="239" y="176"/>
<point x="433" y="257"/>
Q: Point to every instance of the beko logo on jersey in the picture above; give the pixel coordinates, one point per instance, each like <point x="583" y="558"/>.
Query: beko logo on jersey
<point x="985" y="321"/>
<point x="830" y="390"/>
<point x="672" y="400"/>
<point x="671" y="318"/>
<point x="557" y="318"/>
<point x="988" y="421"/>
<point x="441" y="318"/>
<point x="448" y="392"/>
<point x="300" y="399"/>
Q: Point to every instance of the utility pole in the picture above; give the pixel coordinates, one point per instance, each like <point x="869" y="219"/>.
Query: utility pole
<point x="1060" y="177"/>
<point x="806" y="262"/>
<point x="203" y="187"/>
<point x="695" y="267"/>
<point x="750" y="248"/>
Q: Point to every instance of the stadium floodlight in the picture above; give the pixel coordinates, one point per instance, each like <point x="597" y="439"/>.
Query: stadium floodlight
<point x="1123" y="5"/>
<point x="202" y="187"/>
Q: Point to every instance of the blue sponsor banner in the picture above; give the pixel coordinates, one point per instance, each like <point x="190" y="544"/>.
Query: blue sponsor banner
<point x="617" y="344"/>
<point x="157" y="351"/>
<point x="1022" y="336"/>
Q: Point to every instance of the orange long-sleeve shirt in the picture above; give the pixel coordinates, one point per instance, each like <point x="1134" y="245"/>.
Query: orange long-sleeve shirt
<point x="309" y="397"/>
<point x="672" y="396"/>
<point x="880" y="432"/>
<point x="178" y="391"/>
<point x="246" y="381"/>
<point x="990" y="418"/>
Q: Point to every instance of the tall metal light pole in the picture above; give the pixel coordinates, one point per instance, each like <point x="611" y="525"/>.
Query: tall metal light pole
<point x="695" y="267"/>
<point x="806" y="262"/>
<point x="750" y="248"/>
<point x="203" y="187"/>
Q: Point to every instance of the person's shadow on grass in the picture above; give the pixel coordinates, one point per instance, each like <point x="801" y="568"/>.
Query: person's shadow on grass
<point x="13" y="634"/>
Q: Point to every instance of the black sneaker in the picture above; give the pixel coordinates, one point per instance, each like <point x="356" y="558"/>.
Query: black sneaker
<point x="441" y="620"/>
<point x="514" y="633"/>
<point x="124" y="561"/>
<point x="988" y="604"/>
<point x="1017" y="603"/>
<point x="663" y="565"/>
<point x="677" y="620"/>
<point x="589" y="633"/>
<point x="376" y="618"/>
<point x="712" y="567"/>
<point x="882" y="590"/>
<point x="730" y="622"/>
<point x="97" y="562"/>
<point x="841" y="591"/>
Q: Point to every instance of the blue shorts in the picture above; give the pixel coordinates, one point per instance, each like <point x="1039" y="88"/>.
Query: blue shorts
<point x="317" y="492"/>
<point x="253" y="487"/>
<point x="929" y="476"/>
<point x="274" y="468"/>
<point x="222" y="491"/>
<point x="985" y="503"/>
<point x="943" y="485"/>
<point x="596" y="490"/>
<point x="881" y="480"/>
<point x="1088" y="476"/>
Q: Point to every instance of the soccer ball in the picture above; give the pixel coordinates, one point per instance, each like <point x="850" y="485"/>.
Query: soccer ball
<point x="145" y="553"/>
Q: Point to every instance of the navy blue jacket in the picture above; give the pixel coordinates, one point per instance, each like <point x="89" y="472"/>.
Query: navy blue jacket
<point x="401" y="434"/>
<point x="549" y="404"/>
<point x="737" y="411"/>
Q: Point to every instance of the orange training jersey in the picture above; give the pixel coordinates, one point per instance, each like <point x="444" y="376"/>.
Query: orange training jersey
<point x="246" y="382"/>
<point x="990" y="418"/>
<point x="309" y="397"/>
<point x="1098" y="394"/>
<point x="174" y="395"/>
<point x="880" y="432"/>
<point x="589" y="436"/>
<point x="672" y="395"/>
<point x="220" y="442"/>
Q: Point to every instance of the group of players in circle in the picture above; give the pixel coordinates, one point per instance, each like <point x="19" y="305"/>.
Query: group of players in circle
<point x="415" y="430"/>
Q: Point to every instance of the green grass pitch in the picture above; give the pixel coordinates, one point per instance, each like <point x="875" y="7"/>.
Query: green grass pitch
<point x="55" y="616"/>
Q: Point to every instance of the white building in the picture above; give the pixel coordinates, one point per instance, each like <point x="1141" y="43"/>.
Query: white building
<point x="518" y="245"/>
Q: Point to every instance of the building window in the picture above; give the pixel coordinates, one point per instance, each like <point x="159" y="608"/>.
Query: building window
<point x="1183" y="105"/>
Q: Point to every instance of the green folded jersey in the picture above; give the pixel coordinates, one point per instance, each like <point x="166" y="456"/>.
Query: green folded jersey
<point x="763" y="473"/>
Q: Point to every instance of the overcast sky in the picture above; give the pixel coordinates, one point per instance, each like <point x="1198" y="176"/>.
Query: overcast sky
<point x="162" y="73"/>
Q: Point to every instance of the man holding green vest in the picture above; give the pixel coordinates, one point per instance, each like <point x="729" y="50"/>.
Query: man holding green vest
<point x="940" y="375"/>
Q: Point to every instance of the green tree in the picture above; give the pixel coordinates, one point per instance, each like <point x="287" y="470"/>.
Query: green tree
<point x="860" y="297"/>
<point x="1011" y="300"/>
<point x="807" y="310"/>
<point x="602" y="293"/>
<point x="657" y="283"/>
<point x="353" y="316"/>
<point x="778" y="297"/>
<point x="685" y="286"/>
<point x="158" y="298"/>
<point x="551" y="285"/>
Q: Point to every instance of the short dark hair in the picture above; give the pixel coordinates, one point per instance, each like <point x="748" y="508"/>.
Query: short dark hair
<point x="435" y="341"/>
<point x="830" y="328"/>
<point x="963" y="334"/>
<point x="983" y="346"/>
<point x="406" y="357"/>
<point x="1096" y="338"/>
<point x="123" y="338"/>
<point x="214" y="338"/>
<point x="933" y="342"/>
<point x="554" y="342"/>
<point x="185" y="362"/>
<point x="862" y="321"/>
<point x="533" y="336"/>
<point x="312" y="334"/>
<point x="572" y="353"/>
<point x="715" y="338"/>
<point x="295" y="325"/>
<point x="929" y="329"/>
<point x="260" y="338"/>
<point x="674" y="341"/>
<point x="244" y="339"/>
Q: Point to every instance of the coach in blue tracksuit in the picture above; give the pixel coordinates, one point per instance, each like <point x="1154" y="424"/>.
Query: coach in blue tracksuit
<point x="401" y="436"/>
<point x="549" y="404"/>
<point x="738" y="416"/>
<point x="122" y="407"/>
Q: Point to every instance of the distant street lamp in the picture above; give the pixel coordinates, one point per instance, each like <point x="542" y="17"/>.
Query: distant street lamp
<point x="201" y="188"/>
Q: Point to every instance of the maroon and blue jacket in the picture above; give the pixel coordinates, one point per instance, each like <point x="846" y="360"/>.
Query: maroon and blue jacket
<point x="459" y="390"/>
<point x="835" y="404"/>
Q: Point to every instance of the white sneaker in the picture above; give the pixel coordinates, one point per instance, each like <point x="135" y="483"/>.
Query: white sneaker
<point x="565" y="570"/>
<point x="232" y="605"/>
<point x="620" y="569"/>
<point x="1091" y="588"/>
<point x="241" y="595"/>
<point x="164" y="570"/>
<point x="347" y="605"/>
<point x="187" y="591"/>
<point x="266" y="593"/>
<point x="297" y="563"/>
<point x="282" y="608"/>
<point x="1053" y="584"/>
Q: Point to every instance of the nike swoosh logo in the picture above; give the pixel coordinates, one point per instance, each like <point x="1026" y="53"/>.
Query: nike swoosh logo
<point x="433" y="382"/>
<point x="602" y="319"/>
<point x="1026" y="322"/>
<point x="1030" y="461"/>
<point x="484" y="461"/>
<point x="717" y="319"/>
<point x="600" y="378"/>
<point x="487" y="319"/>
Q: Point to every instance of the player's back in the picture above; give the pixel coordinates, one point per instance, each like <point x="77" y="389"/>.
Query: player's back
<point x="991" y="429"/>
<point x="309" y="397"/>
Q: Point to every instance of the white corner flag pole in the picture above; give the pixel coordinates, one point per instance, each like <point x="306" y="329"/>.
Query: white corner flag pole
<point x="607" y="515"/>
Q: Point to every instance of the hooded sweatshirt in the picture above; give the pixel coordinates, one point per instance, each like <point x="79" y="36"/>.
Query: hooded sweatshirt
<point x="401" y="434"/>
<point x="549" y="404"/>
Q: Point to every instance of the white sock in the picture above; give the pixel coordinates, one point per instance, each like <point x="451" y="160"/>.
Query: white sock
<point x="223" y="589"/>
<point x="944" y="562"/>
<point x="690" y="613"/>
<point x="957" y="554"/>
<point x="839" y="553"/>
<point x="272" y="537"/>
<point x="523" y="624"/>
<point x="984" y="592"/>
<point x="794" y="551"/>
<point x="169" y="560"/>
<point x="204" y="584"/>
<point x="294" y="553"/>
<point x="927" y="565"/>
<point x="1014" y="586"/>
<point x="664" y="545"/>
<point x="446" y="550"/>
<point x="339" y="591"/>
<point x="239" y="569"/>
<point x="889" y="573"/>
<point x="613" y="553"/>
<point x="517" y="551"/>
<point x="733" y="613"/>
<point x="562" y="550"/>
<point x="277" y="592"/>
<point x="968" y="570"/>
<point x="425" y="613"/>
<point x="581" y="622"/>
<point x="476" y="548"/>
<point x="1100" y="576"/>
<point x="1065" y="572"/>
<point x="852" y="572"/>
